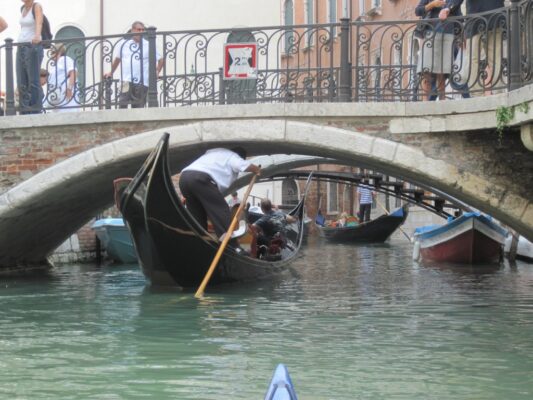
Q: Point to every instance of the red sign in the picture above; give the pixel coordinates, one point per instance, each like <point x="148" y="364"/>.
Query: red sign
<point x="240" y="60"/>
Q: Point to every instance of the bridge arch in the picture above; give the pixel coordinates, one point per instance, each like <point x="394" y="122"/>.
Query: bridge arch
<point x="57" y="201"/>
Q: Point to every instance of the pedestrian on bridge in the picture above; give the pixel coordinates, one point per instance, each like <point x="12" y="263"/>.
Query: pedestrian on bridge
<point x="485" y="37"/>
<point x="29" y="58"/>
<point x="132" y="56"/>
<point x="437" y="47"/>
<point x="61" y="80"/>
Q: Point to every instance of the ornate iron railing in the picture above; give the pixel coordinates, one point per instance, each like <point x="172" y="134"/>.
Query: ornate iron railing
<point x="348" y="61"/>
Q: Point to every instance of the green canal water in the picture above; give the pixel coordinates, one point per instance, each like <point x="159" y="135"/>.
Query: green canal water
<point x="349" y="322"/>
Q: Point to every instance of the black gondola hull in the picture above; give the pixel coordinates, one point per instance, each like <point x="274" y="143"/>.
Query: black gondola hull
<point x="375" y="231"/>
<point x="173" y="249"/>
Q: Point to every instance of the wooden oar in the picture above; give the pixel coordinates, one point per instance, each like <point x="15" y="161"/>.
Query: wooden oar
<point x="200" y="292"/>
<point x="388" y="213"/>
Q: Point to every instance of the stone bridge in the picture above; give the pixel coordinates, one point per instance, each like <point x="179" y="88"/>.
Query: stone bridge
<point x="56" y="170"/>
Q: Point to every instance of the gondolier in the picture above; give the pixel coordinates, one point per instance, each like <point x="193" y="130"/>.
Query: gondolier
<point x="365" y="195"/>
<point x="203" y="182"/>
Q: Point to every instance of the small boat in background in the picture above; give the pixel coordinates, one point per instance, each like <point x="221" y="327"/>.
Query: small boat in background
<point x="115" y="239"/>
<point x="375" y="231"/>
<point x="469" y="239"/>
<point x="281" y="387"/>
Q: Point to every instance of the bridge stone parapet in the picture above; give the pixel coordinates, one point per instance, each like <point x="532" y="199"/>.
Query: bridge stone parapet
<point x="458" y="131"/>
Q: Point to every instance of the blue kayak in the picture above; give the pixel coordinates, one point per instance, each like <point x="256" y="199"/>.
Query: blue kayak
<point x="281" y="387"/>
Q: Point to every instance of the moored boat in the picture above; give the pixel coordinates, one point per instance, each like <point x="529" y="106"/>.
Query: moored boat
<point x="469" y="239"/>
<point x="375" y="231"/>
<point x="172" y="247"/>
<point x="115" y="239"/>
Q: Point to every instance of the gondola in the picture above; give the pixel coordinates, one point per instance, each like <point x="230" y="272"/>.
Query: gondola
<point x="375" y="231"/>
<point x="172" y="247"/>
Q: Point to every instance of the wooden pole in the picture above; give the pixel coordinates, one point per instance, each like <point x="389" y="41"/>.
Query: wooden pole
<point x="200" y="292"/>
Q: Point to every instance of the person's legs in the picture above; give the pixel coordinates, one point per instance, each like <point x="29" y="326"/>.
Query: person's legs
<point x="34" y="69"/>
<point x="426" y="83"/>
<point x="473" y="50"/>
<point x="23" y="84"/>
<point x="202" y="194"/>
<point x="187" y="185"/>
<point x="361" y="213"/>
<point x="138" y="95"/>
<point x="494" y="58"/>
<point x="433" y="95"/>
<point x="441" y="86"/>
<point x="125" y="94"/>
<point x="364" y="211"/>
<point x="368" y="209"/>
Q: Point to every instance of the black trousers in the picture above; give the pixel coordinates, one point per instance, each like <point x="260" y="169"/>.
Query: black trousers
<point x="364" y="212"/>
<point x="204" y="200"/>
<point x="134" y="94"/>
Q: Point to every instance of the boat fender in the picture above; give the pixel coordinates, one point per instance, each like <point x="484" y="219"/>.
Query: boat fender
<point x="416" y="250"/>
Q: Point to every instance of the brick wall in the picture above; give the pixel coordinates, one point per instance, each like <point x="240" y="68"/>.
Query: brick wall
<point x="26" y="151"/>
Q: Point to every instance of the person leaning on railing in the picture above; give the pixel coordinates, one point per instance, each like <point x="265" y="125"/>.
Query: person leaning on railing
<point x="436" y="56"/>
<point x="132" y="55"/>
<point x="489" y="29"/>
<point x="61" y="80"/>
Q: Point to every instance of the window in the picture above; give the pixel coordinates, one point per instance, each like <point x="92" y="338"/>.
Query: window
<point x="376" y="3"/>
<point x="346" y="197"/>
<point x="288" y="17"/>
<point x="333" y="205"/>
<point x="362" y="8"/>
<point x="345" y="11"/>
<point x="309" y="19"/>
<point x="332" y="14"/>
<point x="332" y="11"/>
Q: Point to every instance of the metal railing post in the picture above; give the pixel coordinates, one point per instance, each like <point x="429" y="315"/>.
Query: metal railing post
<point x="345" y="85"/>
<point x="152" y="64"/>
<point x="107" y="92"/>
<point x="10" y="84"/>
<point x="513" y="32"/>
<point x="222" y="85"/>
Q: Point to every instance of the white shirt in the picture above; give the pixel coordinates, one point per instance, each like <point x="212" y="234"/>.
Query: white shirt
<point x="130" y="53"/>
<point x="221" y="164"/>
<point x="27" y="27"/>
<point x="58" y="71"/>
